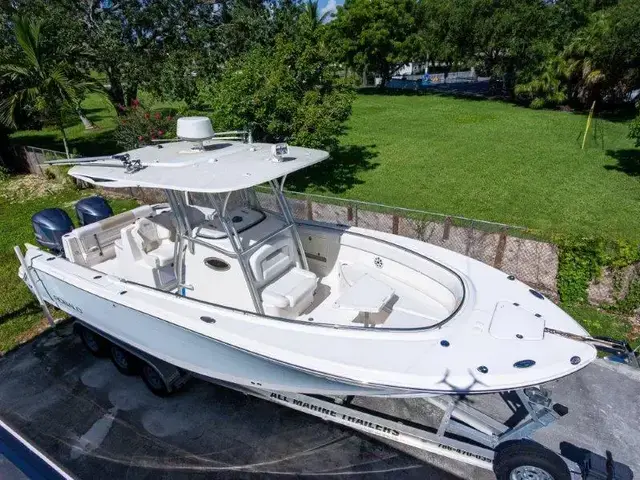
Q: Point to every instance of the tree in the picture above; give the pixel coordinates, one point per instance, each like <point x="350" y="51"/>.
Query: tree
<point x="130" y="40"/>
<point x="604" y="55"/>
<point x="45" y="83"/>
<point x="545" y="83"/>
<point x="288" y="92"/>
<point x="312" y="15"/>
<point x="376" y="34"/>
<point x="506" y="34"/>
<point x="446" y="31"/>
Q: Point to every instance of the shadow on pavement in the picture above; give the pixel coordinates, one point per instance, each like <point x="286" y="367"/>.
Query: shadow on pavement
<point x="612" y="469"/>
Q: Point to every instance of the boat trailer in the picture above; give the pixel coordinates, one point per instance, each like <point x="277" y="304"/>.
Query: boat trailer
<point x="464" y="433"/>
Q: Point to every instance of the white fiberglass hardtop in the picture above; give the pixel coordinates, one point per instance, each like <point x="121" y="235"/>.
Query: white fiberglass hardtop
<point x="224" y="282"/>
<point x="219" y="166"/>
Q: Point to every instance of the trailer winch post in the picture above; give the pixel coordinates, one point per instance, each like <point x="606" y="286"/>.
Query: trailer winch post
<point x="27" y="272"/>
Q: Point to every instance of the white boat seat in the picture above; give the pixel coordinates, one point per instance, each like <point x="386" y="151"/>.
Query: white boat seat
<point x="287" y="290"/>
<point x="291" y="289"/>
<point x="151" y="242"/>
<point x="409" y="303"/>
<point x="270" y="260"/>
<point x="145" y="254"/>
<point x="94" y="243"/>
<point x="154" y="242"/>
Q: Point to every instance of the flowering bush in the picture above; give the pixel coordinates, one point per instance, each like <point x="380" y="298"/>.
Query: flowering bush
<point x="139" y="127"/>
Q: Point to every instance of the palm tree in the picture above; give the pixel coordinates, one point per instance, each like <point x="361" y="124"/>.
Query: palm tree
<point x="582" y="59"/>
<point x="46" y="83"/>
<point x="312" y="13"/>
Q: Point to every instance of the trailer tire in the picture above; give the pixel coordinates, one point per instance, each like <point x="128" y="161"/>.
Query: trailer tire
<point x="154" y="381"/>
<point x="96" y="344"/>
<point x="125" y="362"/>
<point x="525" y="459"/>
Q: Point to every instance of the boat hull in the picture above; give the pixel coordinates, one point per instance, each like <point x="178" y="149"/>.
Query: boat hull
<point x="190" y="350"/>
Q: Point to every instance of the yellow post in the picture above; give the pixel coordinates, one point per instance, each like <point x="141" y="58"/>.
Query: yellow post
<point x="586" y="130"/>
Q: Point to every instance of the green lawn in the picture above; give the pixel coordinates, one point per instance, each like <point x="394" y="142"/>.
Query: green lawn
<point x="481" y="159"/>
<point x="20" y="316"/>
<point x="488" y="160"/>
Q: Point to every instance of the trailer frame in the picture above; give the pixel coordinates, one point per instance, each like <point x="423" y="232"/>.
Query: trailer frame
<point x="464" y="433"/>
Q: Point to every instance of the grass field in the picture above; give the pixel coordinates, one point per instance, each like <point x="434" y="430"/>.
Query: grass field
<point x="488" y="160"/>
<point x="481" y="159"/>
<point x="98" y="141"/>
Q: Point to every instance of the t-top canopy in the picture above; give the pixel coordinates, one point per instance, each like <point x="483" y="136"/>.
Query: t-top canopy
<point x="219" y="167"/>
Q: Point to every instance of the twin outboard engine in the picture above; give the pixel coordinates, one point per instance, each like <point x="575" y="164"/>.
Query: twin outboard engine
<point x="51" y="224"/>
<point x="92" y="209"/>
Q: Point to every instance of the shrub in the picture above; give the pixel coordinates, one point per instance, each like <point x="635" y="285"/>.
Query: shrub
<point x="581" y="261"/>
<point x="634" y="130"/>
<point x="49" y="173"/>
<point x="4" y="173"/>
<point x="139" y="127"/>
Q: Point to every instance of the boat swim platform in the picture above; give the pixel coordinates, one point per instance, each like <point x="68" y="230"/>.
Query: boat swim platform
<point x="97" y="423"/>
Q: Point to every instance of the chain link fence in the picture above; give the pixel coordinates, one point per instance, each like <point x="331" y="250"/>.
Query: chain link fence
<point x="33" y="158"/>
<point x="509" y="248"/>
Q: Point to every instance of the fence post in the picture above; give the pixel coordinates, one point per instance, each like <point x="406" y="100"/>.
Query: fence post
<point x="502" y="243"/>
<point x="32" y="161"/>
<point x="470" y="231"/>
<point x="309" y="210"/>
<point x="394" y="225"/>
<point x="447" y="228"/>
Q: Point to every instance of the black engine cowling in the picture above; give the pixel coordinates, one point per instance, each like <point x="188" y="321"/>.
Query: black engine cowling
<point x="49" y="226"/>
<point x="92" y="209"/>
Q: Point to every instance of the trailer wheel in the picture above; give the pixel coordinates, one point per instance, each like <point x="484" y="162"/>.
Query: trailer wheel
<point x="527" y="460"/>
<point x="97" y="345"/>
<point x="124" y="361"/>
<point x="154" y="381"/>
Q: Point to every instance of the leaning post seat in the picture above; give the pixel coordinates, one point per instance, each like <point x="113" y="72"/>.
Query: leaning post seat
<point x="148" y="241"/>
<point x="94" y="243"/>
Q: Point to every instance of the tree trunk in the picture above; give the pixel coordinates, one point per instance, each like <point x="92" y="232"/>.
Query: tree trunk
<point x="116" y="92"/>
<point x="132" y="94"/>
<point x="85" y="121"/>
<point x="4" y="142"/>
<point x="64" y="139"/>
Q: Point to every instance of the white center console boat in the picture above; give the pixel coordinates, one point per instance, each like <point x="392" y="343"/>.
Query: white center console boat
<point x="220" y="285"/>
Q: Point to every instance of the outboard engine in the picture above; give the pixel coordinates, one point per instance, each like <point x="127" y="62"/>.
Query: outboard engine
<point x="92" y="209"/>
<point x="49" y="226"/>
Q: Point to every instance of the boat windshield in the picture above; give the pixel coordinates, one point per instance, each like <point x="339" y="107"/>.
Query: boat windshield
<point x="241" y="208"/>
